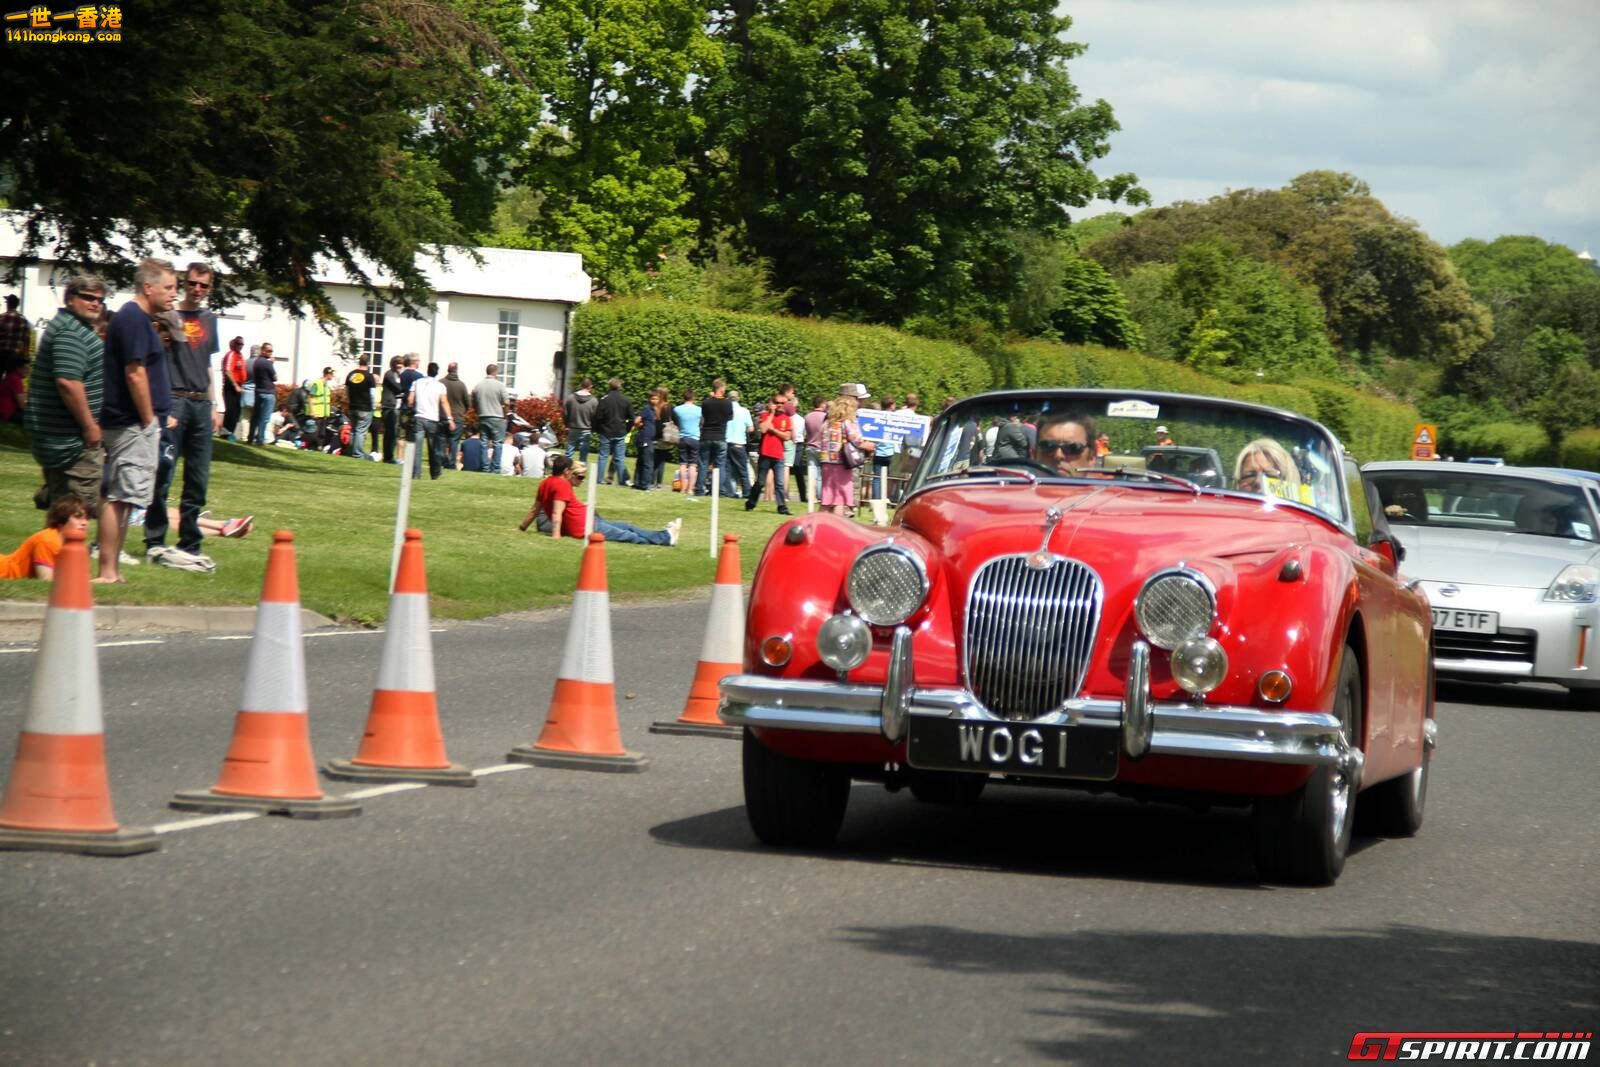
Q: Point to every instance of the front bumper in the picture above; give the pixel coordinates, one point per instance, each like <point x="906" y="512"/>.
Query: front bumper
<point x="1167" y="728"/>
<point x="1562" y="637"/>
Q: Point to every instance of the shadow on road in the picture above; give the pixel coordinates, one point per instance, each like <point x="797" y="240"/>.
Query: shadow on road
<point x="1516" y="697"/>
<point x="1140" y="997"/>
<point x="1034" y="831"/>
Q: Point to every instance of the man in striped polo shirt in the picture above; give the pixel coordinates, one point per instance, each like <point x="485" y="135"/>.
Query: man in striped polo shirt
<point x="64" y="393"/>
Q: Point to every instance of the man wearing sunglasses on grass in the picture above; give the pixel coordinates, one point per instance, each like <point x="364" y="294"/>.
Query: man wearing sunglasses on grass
<point x="1062" y="443"/>
<point x="64" y="395"/>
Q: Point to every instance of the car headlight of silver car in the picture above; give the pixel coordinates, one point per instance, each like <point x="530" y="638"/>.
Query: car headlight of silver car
<point x="887" y="584"/>
<point x="1577" y="584"/>
<point x="1175" y="606"/>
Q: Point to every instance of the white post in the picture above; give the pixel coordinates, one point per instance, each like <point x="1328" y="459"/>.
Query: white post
<point x="588" y="520"/>
<point x="879" y="502"/>
<point x="402" y="510"/>
<point x="716" y="501"/>
<point x="814" y="475"/>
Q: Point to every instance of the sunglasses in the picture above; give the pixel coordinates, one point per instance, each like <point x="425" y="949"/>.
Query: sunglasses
<point x="202" y="286"/>
<point x="93" y="298"/>
<point x="1070" y="448"/>
<point x="1269" y="472"/>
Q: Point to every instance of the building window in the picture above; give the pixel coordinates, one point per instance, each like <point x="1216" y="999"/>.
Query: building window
<point x="372" y="337"/>
<point x="506" y="349"/>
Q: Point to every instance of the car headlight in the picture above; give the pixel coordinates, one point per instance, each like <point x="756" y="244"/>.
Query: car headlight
<point x="887" y="583"/>
<point x="843" y="642"/>
<point x="1578" y="584"/>
<point x="1175" y="606"/>
<point x="1199" y="665"/>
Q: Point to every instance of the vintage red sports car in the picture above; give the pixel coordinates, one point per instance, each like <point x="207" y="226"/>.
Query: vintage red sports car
<point x="1046" y="616"/>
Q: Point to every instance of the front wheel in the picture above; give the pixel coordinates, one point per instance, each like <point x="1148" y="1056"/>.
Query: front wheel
<point x="792" y="802"/>
<point x="1587" y="699"/>
<point x="1303" y="837"/>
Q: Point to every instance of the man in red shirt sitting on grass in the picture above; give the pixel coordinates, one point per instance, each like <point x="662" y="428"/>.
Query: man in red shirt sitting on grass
<point x="558" y="503"/>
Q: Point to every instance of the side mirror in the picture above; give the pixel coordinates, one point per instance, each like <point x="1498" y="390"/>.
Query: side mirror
<point x="1390" y="549"/>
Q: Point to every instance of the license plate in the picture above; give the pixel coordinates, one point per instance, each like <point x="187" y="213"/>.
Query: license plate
<point x="1014" y="748"/>
<point x="1465" y="620"/>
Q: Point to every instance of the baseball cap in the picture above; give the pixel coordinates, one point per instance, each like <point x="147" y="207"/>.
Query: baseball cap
<point x="1161" y="429"/>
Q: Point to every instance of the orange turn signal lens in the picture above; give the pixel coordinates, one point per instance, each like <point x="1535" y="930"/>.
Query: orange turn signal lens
<point x="776" y="650"/>
<point x="1275" y="686"/>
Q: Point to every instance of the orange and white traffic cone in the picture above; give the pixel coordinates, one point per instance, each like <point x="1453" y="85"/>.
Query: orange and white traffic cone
<point x="581" y="731"/>
<point x="403" y="742"/>
<point x="721" y="654"/>
<point x="59" y="797"/>
<point x="269" y="767"/>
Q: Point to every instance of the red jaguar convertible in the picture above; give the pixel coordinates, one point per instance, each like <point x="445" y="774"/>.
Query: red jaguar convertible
<point x="1054" y="617"/>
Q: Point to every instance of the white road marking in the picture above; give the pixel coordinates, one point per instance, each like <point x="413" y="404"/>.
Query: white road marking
<point x="125" y="644"/>
<point x="343" y="633"/>
<point x="501" y="768"/>
<point x="4" y="651"/>
<point x="206" y="820"/>
<point x="380" y="790"/>
<point x="230" y="637"/>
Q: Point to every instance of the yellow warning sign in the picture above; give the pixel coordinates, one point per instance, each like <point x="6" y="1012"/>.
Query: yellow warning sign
<point x="1424" y="438"/>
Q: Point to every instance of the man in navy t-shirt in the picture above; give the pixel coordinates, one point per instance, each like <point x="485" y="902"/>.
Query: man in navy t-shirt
<point x="138" y="398"/>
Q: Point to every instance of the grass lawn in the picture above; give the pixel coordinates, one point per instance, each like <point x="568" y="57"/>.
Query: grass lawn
<point x="342" y="514"/>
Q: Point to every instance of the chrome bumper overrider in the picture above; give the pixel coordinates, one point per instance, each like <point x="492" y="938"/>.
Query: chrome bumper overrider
<point x="1168" y="728"/>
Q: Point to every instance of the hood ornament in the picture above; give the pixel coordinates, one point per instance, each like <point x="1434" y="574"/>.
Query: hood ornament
<point x="1041" y="558"/>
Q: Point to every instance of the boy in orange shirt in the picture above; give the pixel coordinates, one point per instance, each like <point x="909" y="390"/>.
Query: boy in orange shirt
<point x="37" y="556"/>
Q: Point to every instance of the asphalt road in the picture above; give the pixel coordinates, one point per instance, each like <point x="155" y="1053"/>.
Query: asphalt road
<point x="553" y="916"/>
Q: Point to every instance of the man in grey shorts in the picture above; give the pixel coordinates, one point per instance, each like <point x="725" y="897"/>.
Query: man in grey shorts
<point x="64" y="396"/>
<point x="138" y="397"/>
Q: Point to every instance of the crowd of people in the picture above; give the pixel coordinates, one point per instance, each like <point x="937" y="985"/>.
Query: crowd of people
<point x="115" y="403"/>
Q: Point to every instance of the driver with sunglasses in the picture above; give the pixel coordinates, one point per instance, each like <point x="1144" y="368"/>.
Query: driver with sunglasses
<point x="1062" y="442"/>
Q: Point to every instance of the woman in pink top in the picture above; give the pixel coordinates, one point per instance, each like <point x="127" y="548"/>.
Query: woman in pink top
<point x="839" y="481"/>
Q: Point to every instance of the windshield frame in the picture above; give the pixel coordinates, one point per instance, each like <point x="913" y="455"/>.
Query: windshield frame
<point x="1295" y="425"/>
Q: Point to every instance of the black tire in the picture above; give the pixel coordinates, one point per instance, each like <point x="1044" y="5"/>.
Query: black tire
<point x="1587" y="699"/>
<point x="1303" y="837"/>
<point x="792" y="802"/>
<point x="934" y="787"/>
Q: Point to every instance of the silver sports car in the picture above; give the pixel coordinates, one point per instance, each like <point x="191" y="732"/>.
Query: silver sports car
<point x="1510" y="560"/>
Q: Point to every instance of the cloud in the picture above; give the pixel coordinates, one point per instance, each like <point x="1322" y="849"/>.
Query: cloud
<point x="1475" y="118"/>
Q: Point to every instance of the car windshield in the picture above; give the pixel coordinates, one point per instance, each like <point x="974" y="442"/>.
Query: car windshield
<point x="1154" y="439"/>
<point x="1464" y="500"/>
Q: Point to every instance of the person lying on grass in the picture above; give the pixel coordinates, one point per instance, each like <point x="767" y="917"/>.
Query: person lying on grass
<point x="558" y="502"/>
<point x="37" y="556"/>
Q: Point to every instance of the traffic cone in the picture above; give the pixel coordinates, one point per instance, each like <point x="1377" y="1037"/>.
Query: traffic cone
<point x="59" y="798"/>
<point x="403" y="742"/>
<point x="721" y="654"/>
<point x="581" y="732"/>
<point x="269" y="767"/>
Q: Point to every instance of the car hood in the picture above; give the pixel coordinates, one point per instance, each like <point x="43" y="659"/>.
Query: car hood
<point x="1123" y="532"/>
<point x="1488" y="557"/>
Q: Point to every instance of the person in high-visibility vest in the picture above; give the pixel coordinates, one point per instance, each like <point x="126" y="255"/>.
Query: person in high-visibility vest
<point x="319" y="404"/>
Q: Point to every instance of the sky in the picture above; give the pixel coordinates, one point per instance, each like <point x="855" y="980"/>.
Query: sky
<point x="1476" y="118"/>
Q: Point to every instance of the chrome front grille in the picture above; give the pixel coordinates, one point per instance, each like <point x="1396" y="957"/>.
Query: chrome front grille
<point x="1030" y="633"/>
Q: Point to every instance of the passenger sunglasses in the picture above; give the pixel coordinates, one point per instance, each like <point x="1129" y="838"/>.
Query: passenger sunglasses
<point x="1071" y="448"/>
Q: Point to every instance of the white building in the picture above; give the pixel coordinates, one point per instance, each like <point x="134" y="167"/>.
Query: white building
<point x="515" y="309"/>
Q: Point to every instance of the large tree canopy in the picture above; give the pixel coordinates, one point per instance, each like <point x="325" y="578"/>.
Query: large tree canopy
<point x="267" y="134"/>
<point x="878" y="152"/>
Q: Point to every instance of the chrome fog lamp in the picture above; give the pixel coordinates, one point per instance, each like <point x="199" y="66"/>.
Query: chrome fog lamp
<point x="1175" y="606"/>
<point x="887" y="583"/>
<point x="1577" y="584"/>
<point x="843" y="642"/>
<point x="1199" y="665"/>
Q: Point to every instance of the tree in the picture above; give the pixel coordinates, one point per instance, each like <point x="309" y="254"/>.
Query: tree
<point x="1092" y="309"/>
<point x="298" y="139"/>
<point x="1385" y="288"/>
<point x="879" y="152"/>
<point x="1248" y="315"/>
<point x="609" y="161"/>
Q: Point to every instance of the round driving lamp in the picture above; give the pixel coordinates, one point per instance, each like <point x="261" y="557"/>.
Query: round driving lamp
<point x="1175" y="606"/>
<point x="887" y="584"/>
<point x="843" y="642"/>
<point x="1199" y="665"/>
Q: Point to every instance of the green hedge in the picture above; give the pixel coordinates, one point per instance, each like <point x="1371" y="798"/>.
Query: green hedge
<point x="1520" y="444"/>
<point x="649" y="342"/>
<point x="1580" y="450"/>
<point x="1372" y="428"/>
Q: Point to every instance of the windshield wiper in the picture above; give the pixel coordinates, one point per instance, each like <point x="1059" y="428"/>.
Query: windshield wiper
<point x="1157" y="476"/>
